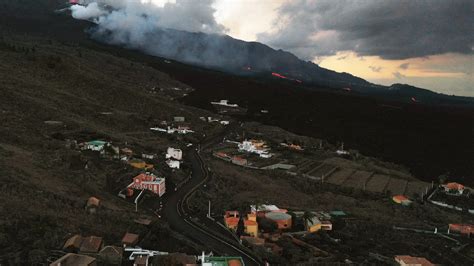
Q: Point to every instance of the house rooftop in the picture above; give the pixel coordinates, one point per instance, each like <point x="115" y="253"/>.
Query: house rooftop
<point x="264" y="207"/>
<point x="223" y="261"/>
<point x="73" y="259"/>
<point x="409" y="260"/>
<point x="454" y="185"/>
<point x="337" y="213"/>
<point x="97" y="142"/>
<point x="91" y="244"/>
<point x="73" y="242"/>
<point x="93" y="201"/>
<point x="130" y="239"/>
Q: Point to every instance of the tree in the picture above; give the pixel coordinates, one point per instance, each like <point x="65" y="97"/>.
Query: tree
<point x="308" y="218"/>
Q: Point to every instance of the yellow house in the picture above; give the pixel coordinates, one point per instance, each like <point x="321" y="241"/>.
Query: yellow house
<point x="315" y="225"/>
<point x="251" y="225"/>
<point x="139" y="164"/>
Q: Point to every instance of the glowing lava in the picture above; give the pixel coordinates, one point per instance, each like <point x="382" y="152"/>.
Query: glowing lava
<point x="278" y="75"/>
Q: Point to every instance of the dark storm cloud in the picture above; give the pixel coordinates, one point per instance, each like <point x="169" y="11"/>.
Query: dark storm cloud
<point x="389" y="29"/>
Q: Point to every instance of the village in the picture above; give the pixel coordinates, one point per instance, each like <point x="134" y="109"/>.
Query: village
<point x="144" y="187"/>
<point x="291" y="234"/>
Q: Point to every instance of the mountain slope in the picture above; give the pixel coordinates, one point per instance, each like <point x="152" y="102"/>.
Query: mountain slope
<point x="229" y="54"/>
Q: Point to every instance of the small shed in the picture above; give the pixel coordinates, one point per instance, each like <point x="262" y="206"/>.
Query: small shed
<point x="179" y="119"/>
<point x="91" y="244"/>
<point x="73" y="244"/>
<point x="130" y="240"/>
<point x="92" y="204"/>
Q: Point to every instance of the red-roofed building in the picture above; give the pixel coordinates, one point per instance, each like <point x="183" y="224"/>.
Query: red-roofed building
<point x="239" y="160"/>
<point x="463" y="229"/>
<point x="129" y="240"/>
<point x="91" y="244"/>
<point x="412" y="261"/>
<point x="401" y="199"/>
<point x="453" y="188"/>
<point x="150" y="182"/>
<point x="231" y="219"/>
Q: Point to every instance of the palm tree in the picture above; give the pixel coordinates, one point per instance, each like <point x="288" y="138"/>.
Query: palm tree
<point x="308" y="218"/>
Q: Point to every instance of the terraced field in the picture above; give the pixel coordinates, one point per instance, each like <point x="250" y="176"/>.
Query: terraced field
<point x="322" y="170"/>
<point x="308" y="166"/>
<point x="377" y="183"/>
<point x="358" y="179"/>
<point x="416" y="187"/>
<point x="338" y="177"/>
<point x="396" y="186"/>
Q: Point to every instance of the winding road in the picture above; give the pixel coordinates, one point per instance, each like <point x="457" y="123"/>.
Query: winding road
<point x="174" y="212"/>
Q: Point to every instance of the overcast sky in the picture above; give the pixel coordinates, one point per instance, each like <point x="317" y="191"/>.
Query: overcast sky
<point x="427" y="43"/>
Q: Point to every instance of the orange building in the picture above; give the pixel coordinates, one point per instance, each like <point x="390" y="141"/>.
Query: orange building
<point x="401" y="199"/>
<point x="231" y="219"/>
<point x="251" y="225"/>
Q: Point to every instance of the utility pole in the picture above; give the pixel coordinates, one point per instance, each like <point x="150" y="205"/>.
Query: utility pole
<point x="209" y="210"/>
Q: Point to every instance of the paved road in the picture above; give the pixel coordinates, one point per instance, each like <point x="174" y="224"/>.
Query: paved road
<point x="174" y="212"/>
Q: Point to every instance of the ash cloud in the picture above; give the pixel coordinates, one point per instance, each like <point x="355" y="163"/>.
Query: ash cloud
<point x="151" y="28"/>
<point x="90" y="11"/>
<point x="389" y="29"/>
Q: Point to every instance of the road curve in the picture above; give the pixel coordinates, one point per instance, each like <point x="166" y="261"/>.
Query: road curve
<point x="175" y="213"/>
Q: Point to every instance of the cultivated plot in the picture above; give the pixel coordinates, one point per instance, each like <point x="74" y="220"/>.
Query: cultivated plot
<point x="396" y="186"/>
<point x="358" y="180"/>
<point x="340" y="176"/>
<point x="377" y="183"/>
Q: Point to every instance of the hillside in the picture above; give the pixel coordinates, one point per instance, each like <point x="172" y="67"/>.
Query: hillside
<point x="52" y="94"/>
<point x="223" y="52"/>
<point x="58" y="88"/>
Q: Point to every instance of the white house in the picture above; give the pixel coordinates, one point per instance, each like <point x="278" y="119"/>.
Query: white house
<point x="95" y="145"/>
<point x="211" y="119"/>
<point x="174" y="153"/>
<point x="184" y="130"/>
<point x="148" y="156"/>
<point x="225" y="103"/>
<point x="173" y="164"/>
<point x="341" y="151"/>
<point x="179" y="119"/>
<point x="169" y="130"/>
<point x="253" y="146"/>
